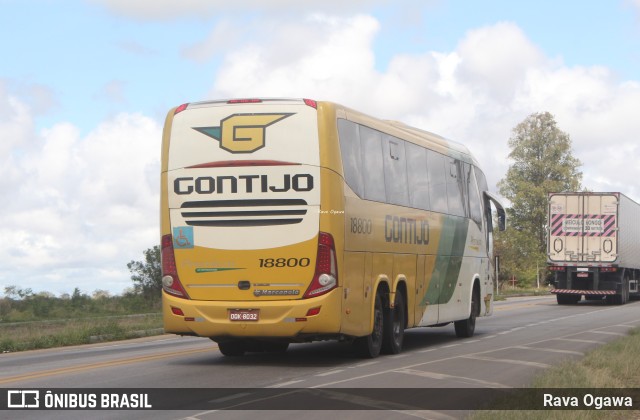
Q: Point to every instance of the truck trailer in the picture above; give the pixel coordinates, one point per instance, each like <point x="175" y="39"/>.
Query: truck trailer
<point x="593" y="246"/>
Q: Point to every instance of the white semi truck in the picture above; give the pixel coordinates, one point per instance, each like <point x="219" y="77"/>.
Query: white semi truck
<point x="593" y="246"/>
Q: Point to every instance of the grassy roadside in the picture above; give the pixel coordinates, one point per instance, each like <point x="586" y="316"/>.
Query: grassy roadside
<point x="20" y="336"/>
<point x="613" y="365"/>
<point x="507" y="292"/>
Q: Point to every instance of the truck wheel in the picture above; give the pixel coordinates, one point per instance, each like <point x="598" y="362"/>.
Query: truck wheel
<point x="625" y="290"/>
<point x="467" y="327"/>
<point x="394" y="326"/>
<point x="371" y="345"/>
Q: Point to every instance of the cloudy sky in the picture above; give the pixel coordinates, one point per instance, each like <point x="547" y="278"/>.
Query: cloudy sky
<point x="85" y="86"/>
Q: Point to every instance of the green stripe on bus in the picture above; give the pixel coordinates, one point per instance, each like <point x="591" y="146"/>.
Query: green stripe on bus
<point x="446" y="269"/>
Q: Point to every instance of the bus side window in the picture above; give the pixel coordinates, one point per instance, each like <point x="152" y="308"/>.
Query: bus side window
<point x="475" y="206"/>
<point x="351" y="155"/>
<point x="455" y="184"/>
<point x="395" y="171"/>
<point x="437" y="182"/>
<point x="418" y="176"/>
<point x="372" y="164"/>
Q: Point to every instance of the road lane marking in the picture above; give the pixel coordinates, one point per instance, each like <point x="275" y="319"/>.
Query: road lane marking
<point x="333" y="372"/>
<point x="577" y="353"/>
<point x="100" y="365"/>
<point x="444" y="359"/>
<point x="578" y="340"/>
<point x="285" y="384"/>
<point x="443" y="376"/>
<point x="608" y="333"/>
<point x="509" y="361"/>
<point x="365" y="364"/>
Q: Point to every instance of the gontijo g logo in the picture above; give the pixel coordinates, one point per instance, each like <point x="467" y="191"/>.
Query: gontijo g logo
<point x="242" y="133"/>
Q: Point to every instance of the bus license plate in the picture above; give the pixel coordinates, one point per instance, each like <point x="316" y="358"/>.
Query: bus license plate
<point x="244" y="315"/>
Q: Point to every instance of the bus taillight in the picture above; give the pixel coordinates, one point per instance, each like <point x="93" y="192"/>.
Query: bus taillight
<point x="170" y="281"/>
<point x="180" y="109"/>
<point x="325" y="278"/>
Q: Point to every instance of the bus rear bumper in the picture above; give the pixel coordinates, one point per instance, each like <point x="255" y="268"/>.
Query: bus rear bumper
<point x="276" y="319"/>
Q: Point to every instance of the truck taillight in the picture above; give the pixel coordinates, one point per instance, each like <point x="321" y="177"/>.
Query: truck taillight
<point x="170" y="281"/>
<point x="325" y="277"/>
<point x="556" y="268"/>
<point x="609" y="269"/>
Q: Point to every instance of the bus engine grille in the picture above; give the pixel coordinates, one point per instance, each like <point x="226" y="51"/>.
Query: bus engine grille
<point x="233" y="213"/>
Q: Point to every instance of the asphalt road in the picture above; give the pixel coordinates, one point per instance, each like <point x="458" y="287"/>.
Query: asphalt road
<point x="524" y="336"/>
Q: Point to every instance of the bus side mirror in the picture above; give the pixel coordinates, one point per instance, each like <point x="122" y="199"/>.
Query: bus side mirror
<point x="502" y="215"/>
<point x="502" y="219"/>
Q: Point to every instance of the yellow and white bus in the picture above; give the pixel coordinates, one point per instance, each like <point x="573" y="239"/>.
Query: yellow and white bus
<point x="294" y="220"/>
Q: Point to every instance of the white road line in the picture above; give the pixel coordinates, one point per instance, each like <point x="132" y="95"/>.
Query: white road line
<point x="577" y="340"/>
<point x="434" y="375"/>
<point x="608" y="333"/>
<point x="510" y="361"/>
<point x="471" y="355"/>
<point x="577" y="353"/>
<point x="332" y="372"/>
<point x="285" y="384"/>
<point x="364" y="364"/>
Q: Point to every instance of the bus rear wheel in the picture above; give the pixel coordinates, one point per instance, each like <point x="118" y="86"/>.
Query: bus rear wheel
<point x="370" y="346"/>
<point x="232" y="347"/>
<point x="394" y="326"/>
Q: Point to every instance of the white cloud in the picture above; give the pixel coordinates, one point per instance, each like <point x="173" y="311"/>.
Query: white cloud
<point x="319" y="56"/>
<point x="16" y="122"/>
<point x="81" y="205"/>
<point x="474" y="94"/>
<point x="171" y="9"/>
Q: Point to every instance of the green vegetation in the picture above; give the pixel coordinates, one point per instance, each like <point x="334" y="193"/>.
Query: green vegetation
<point x="35" y="321"/>
<point x="41" y="320"/>
<point x="147" y="275"/>
<point x="542" y="163"/>
<point x="614" y="365"/>
<point x="19" y="336"/>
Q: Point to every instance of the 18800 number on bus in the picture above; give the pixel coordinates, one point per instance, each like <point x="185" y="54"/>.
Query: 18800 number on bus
<point x="284" y="262"/>
<point x="361" y="226"/>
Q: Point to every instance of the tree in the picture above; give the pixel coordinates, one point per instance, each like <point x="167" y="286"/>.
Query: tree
<point x="147" y="275"/>
<point x="543" y="163"/>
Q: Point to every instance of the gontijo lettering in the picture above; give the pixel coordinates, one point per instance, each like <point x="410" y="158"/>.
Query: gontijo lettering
<point x="405" y="230"/>
<point x="242" y="183"/>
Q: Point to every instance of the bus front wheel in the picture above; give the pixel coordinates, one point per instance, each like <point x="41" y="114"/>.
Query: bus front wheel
<point x="466" y="327"/>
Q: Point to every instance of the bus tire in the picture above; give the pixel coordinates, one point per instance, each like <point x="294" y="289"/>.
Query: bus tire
<point x="394" y="322"/>
<point x="275" y="346"/>
<point x="232" y="347"/>
<point x="370" y="345"/>
<point x="467" y="327"/>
